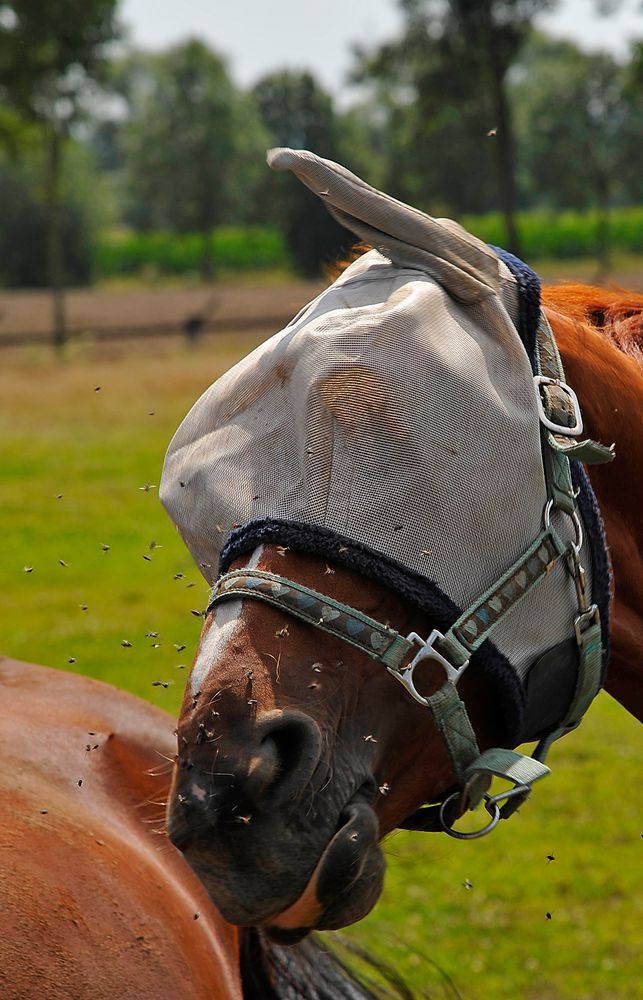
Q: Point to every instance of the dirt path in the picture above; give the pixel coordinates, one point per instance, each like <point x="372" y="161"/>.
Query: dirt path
<point x="125" y="314"/>
<point x="26" y="314"/>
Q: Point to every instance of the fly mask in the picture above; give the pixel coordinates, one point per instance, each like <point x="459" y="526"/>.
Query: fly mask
<point x="396" y="425"/>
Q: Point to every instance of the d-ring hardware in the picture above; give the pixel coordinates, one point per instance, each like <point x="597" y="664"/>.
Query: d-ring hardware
<point x="490" y="805"/>
<point x="575" y="519"/>
<point x="427" y="651"/>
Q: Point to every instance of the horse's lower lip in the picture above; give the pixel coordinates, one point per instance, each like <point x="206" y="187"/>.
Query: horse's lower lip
<point x="345" y="884"/>
<point x="339" y="888"/>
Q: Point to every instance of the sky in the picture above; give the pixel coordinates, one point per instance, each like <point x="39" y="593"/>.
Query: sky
<point x="259" y="36"/>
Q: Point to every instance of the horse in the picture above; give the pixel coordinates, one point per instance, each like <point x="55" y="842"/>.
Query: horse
<point x="297" y="752"/>
<point x="96" y="903"/>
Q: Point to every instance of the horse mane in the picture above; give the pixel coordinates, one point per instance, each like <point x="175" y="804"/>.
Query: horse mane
<point x="311" y="971"/>
<point x="614" y="312"/>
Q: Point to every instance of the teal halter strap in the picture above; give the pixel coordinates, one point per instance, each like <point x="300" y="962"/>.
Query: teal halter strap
<point x="561" y="422"/>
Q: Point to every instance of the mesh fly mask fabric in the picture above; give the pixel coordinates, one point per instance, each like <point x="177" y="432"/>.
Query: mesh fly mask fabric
<point x="397" y="410"/>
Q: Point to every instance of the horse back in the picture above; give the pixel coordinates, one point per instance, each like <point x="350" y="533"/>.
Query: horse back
<point x="94" y="902"/>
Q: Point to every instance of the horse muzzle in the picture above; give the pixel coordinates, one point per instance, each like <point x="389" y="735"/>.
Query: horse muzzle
<point x="269" y="850"/>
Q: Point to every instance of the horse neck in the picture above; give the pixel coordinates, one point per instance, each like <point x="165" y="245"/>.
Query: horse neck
<point x="609" y="384"/>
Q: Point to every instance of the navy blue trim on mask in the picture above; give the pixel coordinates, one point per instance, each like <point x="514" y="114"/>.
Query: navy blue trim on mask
<point x="529" y="312"/>
<point x="528" y="300"/>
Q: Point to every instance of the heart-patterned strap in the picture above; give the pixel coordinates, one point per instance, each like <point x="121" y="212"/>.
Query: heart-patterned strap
<point x="476" y="623"/>
<point x="378" y="641"/>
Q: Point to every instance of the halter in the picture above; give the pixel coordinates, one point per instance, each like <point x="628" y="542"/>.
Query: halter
<point x="560" y="425"/>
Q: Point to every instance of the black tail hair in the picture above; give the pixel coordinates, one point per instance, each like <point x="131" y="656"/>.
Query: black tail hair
<point x="311" y="970"/>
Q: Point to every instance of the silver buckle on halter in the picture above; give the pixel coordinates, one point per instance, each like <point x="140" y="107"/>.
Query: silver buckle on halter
<point x="577" y="427"/>
<point x="427" y="651"/>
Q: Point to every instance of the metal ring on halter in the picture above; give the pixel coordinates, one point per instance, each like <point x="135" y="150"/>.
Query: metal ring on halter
<point x="575" y="519"/>
<point x="492" y="808"/>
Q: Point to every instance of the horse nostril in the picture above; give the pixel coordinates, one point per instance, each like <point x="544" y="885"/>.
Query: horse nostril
<point x="196" y="806"/>
<point x="286" y="759"/>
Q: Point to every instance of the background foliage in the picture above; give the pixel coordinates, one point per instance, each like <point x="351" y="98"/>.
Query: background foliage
<point x="470" y="111"/>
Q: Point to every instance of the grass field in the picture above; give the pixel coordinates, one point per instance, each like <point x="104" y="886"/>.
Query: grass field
<point x="90" y="560"/>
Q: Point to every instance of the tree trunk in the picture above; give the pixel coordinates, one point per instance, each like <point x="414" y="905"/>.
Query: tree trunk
<point x="504" y="159"/>
<point x="55" y="249"/>
<point x="208" y="267"/>
<point x="603" y="225"/>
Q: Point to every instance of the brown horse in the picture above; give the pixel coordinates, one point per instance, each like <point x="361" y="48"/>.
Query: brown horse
<point x="298" y="753"/>
<point x="95" y="904"/>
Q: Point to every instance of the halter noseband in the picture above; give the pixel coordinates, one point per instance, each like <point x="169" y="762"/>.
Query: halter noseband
<point x="561" y="423"/>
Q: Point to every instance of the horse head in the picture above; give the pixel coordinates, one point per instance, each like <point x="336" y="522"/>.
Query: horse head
<point x="297" y="753"/>
<point x="402" y="575"/>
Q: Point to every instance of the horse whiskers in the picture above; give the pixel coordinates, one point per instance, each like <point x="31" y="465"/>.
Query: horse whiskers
<point x="160" y="770"/>
<point x="171" y="760"/>
<point x="146" y="803"/>
<point x="277" y="660"/>
<point x="155" y="815"/>
<point x="217" y="695"/>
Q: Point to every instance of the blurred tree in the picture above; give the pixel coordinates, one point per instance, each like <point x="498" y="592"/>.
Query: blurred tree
<point x="439" y="152"/>
<point x="363" y="139"/>
<point x="635" y="72"/>
<point x="630" y="169"/>
<point x="23" y="225"/>
<point x="453" y="61"/>
<point x="49" y="54"/>
<point x="580" y="130"/>
<point x="296" y="112"/>
<point x="187" y="139"/>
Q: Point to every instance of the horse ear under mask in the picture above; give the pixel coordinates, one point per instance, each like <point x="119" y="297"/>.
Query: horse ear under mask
<point x="461" y="263"/>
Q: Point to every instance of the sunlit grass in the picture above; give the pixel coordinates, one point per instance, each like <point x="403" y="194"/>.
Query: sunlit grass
<point x="494" y="938"/>
<point x="80" y="443"/>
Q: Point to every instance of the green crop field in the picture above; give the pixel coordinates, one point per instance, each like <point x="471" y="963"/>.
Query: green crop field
<point x="555" y="235"/>
<point x="90" y="560"/>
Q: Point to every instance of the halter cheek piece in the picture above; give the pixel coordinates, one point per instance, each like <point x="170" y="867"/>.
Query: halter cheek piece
<point x="561" y="423"/>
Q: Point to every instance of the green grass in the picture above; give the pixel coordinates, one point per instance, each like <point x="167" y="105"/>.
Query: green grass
<point x="73" y="461"/>
<point x="59" y="435"/>
<point x="494" y="939"/>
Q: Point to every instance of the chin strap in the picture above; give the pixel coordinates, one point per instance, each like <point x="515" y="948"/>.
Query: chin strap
<point x="561" y="422"/>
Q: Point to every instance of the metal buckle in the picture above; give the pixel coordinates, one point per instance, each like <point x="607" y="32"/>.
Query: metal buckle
<point x="577" y="427"/>
<point x="427" y="651"/>
<point x="587" y="618"/>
